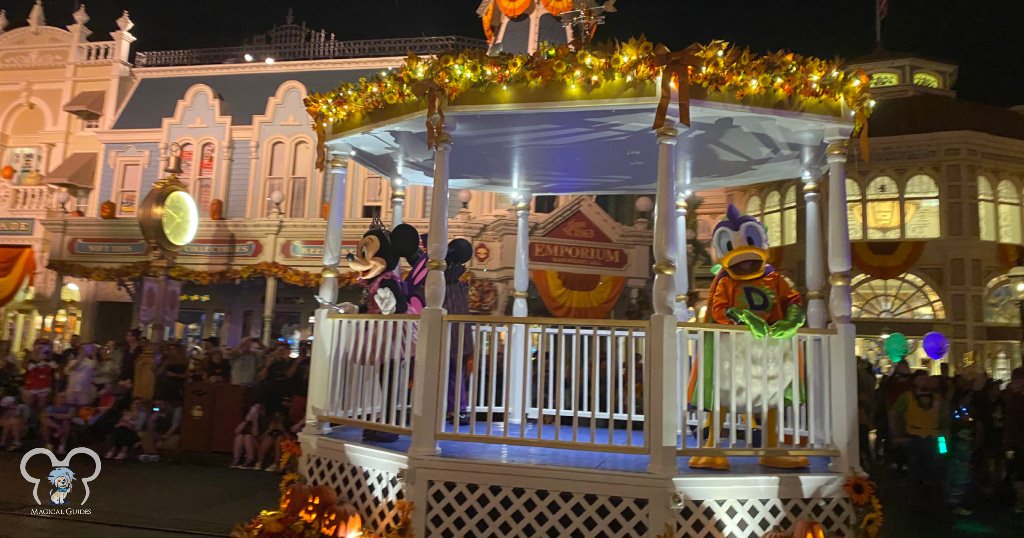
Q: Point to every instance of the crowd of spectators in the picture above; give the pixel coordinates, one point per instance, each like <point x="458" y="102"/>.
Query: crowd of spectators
<point x="126" y="398"/>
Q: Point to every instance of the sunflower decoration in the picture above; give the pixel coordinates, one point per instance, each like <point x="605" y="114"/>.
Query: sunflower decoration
<point x="860" y="489"/>
<point x="290" y="451"/>
<point x="871" y="524"/>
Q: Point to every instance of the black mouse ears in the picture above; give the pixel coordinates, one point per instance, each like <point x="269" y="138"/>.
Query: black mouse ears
<point x="459" y="252"/>
<point x="405" y="240"/>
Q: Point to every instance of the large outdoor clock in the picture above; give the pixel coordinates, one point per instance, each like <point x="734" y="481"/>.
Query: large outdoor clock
<point x="168" y="216"/>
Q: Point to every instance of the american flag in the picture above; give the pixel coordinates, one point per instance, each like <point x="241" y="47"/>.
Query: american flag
<point x="883" y="8"/>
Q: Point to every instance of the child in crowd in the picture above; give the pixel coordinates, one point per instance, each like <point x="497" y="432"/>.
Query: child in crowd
<point x="13" y="417"/>
<point x="80" y="370"/>
<point x="245" y="439"/>
<point x="57" y="422"/>
<point x="274" y="433"/>
<point x="39" y="374"/>
<point x="126" y="432"/>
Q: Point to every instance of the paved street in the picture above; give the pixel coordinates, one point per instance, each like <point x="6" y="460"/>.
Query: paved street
<point x="200" y="496"/>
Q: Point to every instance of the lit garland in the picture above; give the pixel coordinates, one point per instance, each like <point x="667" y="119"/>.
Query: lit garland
<point x="723" y="71"/>
<point x="288" y="275"/>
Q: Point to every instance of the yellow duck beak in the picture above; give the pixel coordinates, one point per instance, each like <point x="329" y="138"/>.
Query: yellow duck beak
<point x="745" y="263"/>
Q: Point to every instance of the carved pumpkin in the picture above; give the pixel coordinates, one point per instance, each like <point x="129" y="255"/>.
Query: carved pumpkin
<point x="334" y="522"/>
<point x="319" y="498"/>
<point x="353" y="523"/>
<point x="294" y="498"/>
<point x="108" y="210"/>
<point x="808" y="529"/>
<point x="217" y="209"/>
<point x="7" y="172"/>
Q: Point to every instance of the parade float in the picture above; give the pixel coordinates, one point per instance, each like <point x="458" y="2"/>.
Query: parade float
<point x="590" y="427"/>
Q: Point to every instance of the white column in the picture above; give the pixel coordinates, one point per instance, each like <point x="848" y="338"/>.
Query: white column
<point x="661" y="366"/>
<point x="397" y="201"/>
<point x="323" y="339"/>
<point x="519" y="351"/>
<point x="269" y="300"/>
<point x="842" y="357"/>
<point x="815" y="262"/>
<point x="682" y="276"/>
<point x="431" y="348"/>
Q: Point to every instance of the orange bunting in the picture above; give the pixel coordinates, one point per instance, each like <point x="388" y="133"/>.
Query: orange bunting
<point x="17" y="264"/>
<point x="514" y="8"/>
<point x="557" y="7"/>
<point x="885" y="259"/>
<point x="580" y="296"/>
<point x="490" y="28"/>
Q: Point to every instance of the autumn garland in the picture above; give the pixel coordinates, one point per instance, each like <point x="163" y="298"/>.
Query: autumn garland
<point x="722" y="69"/>
<point x="866" y="506"/>
<point x="286" y="274"/>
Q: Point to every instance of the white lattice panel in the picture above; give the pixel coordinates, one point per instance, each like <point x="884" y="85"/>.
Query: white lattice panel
<point x="744" y="518"/>
<point x="371" y="491"/>
<point x="455" y="509"/>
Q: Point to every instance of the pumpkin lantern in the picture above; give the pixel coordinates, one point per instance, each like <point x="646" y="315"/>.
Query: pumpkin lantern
<point x="333" y="522"/>
<point x="108" y="210"/>
<point x="294" y="498"/>
<point x="808" y="529"/>
<point x="217" y="209"/>
<point x="7" y="172"/>
<point x="353" y="523"/>
<point x="319" y="498"/>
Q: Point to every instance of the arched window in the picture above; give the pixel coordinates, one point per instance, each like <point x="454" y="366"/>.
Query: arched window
<point x="1008" y="212"/>
<point x="986" y="210"/>
<point x="883" y="209"/>
<point x="754" y="206"/>
<point x="789" y="216"/>
<point x="854" y="200"/>
<point x="921" y="208"/>
<point x="288" y="171"/>
<point x="904" y="297"/>
<point x="881" y="80"/>
<point x="772" y="218"/>
<point x="926" y="80"/>
<point x="199" y="179"/>
<point x="1001" y="302"/>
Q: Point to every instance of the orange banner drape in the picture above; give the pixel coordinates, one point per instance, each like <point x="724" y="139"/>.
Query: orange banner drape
<point x="886" y="259"/>
<point x="514" y="8"/>
<point x="557" y="7"/>
<point x="580" y="296"/>
<point x="17" y="264"/>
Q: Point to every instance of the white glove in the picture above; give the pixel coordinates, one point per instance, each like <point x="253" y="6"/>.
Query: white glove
<point x="348" y="308"/>
<point x="386" y="300"/>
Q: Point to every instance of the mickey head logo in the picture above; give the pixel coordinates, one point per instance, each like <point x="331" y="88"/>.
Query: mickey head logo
<point x="61" y="478"/>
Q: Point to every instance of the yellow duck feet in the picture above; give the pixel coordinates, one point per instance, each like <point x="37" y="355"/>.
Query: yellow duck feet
<point x="784" y="462"/>
<point x="715" y="463"/>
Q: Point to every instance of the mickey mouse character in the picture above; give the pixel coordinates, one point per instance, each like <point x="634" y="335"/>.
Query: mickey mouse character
<point x="748" y="291"/>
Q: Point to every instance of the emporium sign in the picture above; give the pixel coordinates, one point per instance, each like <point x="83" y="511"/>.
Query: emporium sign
<point x="578" y="255"/>
<point x="17" y="226"/>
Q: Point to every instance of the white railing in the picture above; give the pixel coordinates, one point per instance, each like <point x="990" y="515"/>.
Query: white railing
<point x="572" y="384"/>
<point x="731" y="384"/>
<point x="369" y="371"/>
<point x="96" y="52"/>
<point x="25" y="199"/>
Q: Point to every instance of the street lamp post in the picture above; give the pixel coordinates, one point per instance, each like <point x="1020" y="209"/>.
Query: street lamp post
<point x="1016" y="277"/>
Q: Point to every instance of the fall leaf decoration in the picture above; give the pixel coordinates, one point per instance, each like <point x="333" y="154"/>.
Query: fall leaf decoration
<point x="286" y="274"/>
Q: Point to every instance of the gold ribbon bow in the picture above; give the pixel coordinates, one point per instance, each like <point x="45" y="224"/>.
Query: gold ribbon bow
<point x="432" y="92"/>
<point x="321" y="140"/>
<point x="675" y="65"/>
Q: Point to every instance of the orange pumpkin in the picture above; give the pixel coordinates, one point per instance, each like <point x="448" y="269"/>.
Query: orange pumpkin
<point x="217" y="209"/>
<point x="294" y="498"/>
<point x="78" y="213"/>
<point x="319" y="498"/>
<point x="334" y="522"/>
<point x="108" y="210"/>
<point x="7" y="172"/>
<point x="354" y="523"/>
<point x="808" y="529"/>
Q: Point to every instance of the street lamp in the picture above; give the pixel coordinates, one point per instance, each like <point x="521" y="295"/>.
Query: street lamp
<point x="1016" y="278"/>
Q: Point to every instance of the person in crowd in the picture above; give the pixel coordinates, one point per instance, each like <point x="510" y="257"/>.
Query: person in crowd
<point x="108" y="366"/>
<point x="126" y="431"/>
<point x="962" y="439"/>
<point x="218" y="370"/>
<point x="10" y="371"/>
<point x="865" y="409"/>
<point x="274" y="432"/>
<point x="298" y="373"/>
<point x="245" y="362"/>
<point x="7" y="357"/>
<point x="13" y="421"/>
<point x="39" y="371"/>
<point x="131" y="352"/>
<point x="70" y="352"/>
<point x="1013" y="435"/>
<point x="172" y="374"/>
<point x="900" y="383"/>
<point x="57" y="422"/>
<point x="273" y="377"/>
<point x="144" y="382"/>
<point x="923" y="418"/>
<point x="245" y="439"/>
<point x="988" y="458"/>
<point x="80" y="371"/>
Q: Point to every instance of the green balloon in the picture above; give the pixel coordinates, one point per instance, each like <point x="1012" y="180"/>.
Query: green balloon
<point x="896" y="347"/>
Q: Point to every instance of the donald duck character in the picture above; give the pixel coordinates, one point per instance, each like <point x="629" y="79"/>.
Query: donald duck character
<point x="747" y="291"/>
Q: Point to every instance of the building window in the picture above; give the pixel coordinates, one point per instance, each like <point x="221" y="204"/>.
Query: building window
<point x="1001" y="302"/>
<point x="289" y="166"/>
<point x="926" y="80"/>
<point x="904" y="297"/>
<point x="921" y="208"/>
<point x="881" y="80"/>
<point x="883" y="212"/>
<point x="373" y="197"/>
<point x="778" y="215"/>
<point x="199" y="179"/>
<point x="129" y="181"/>
<point x="854" y="221"/>
<point x="986" y="210"/>
<point x="1008" y="212"/>
<point x="754" y="205"/>
<point x="90" y="125"/>
<point x="544" y="204"/>
<point x="24" y="160"/>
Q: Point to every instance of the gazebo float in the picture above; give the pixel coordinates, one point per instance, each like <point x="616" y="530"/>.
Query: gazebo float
<point x="522" y="426"/>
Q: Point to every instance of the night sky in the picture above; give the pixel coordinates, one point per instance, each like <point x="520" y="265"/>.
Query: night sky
<point x="985" y="37"/>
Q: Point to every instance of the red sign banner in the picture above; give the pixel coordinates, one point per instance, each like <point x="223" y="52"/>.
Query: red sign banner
<point x="578" y="255"/>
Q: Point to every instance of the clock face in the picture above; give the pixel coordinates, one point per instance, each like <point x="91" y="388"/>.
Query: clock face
<point x="180" y="218"/>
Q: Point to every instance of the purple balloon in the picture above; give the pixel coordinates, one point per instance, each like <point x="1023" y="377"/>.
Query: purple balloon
<point x="935" y="345"/>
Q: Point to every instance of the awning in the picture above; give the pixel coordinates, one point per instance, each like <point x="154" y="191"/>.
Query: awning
<point x="17" y="265"/>
<point x="76" y="172"/>
<point x="86" y="105"/>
